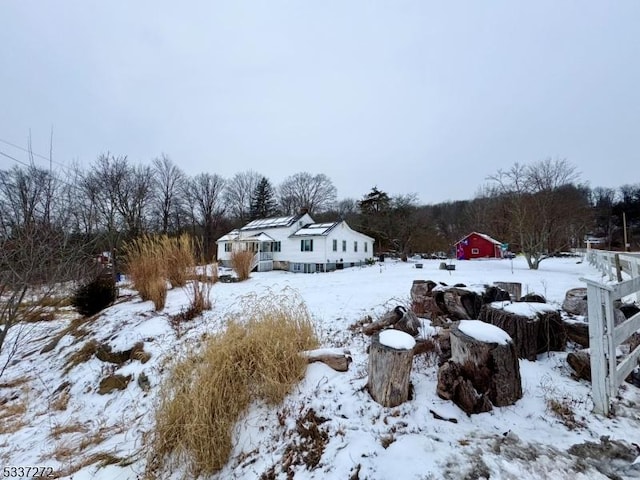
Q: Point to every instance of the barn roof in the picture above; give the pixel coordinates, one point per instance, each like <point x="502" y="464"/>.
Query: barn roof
<point x="483" y="235"/>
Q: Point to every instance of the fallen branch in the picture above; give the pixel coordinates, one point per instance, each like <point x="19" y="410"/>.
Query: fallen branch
<point x="440" y="417"/>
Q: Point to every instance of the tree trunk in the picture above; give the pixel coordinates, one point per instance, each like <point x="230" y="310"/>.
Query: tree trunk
<point x="389" y="370"/>
<point x="493" y="367"/>
<point x="530" y="335"/>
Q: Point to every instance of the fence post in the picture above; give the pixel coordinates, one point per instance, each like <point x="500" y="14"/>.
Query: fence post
<point x="598" y="347"/>
<point x="635" y="272"/>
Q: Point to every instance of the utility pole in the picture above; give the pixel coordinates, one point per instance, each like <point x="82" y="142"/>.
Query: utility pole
<point x="624" y="224"/>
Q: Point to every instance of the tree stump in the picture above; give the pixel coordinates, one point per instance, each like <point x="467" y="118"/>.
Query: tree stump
<point x="489" y="357"/>
<point x="514" y="289"/>
<point x="390" y="360"/>
<point x="536" y="328"/>
<point x="577" y="332"/>
<point x="420" y="290"/>
<point x="575" y="301"/>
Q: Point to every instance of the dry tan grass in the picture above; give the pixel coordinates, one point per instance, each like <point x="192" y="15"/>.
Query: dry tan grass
<point x="179" y="254"/>
<point x="256" y="357"/>
<point x="16" y="382"/>
<point x="241" y="263"/>
<point x="147" y="267"/>
<point x="102" y="459"/>
<point x="81" y="355"/>
<point x="58" y="431"/>
<point x="12" y="413"/>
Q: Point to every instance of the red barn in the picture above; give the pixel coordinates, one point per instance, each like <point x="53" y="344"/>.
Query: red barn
<point x="478" y="245"/>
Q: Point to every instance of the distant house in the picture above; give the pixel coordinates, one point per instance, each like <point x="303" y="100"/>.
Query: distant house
<point x="297" y="244"/>
<point x="478" y="245"/>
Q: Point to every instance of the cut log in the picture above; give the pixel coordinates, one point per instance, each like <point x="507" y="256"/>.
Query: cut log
<point x="388" y="319"/>
<point x="338" y="359"/>
<point x="399" y="318"/>
<point x="581" y="364"/>
<point x="390" y="360"/>
<point x="575" y="301"/>
<point x="577" y="332"/>
<point x="533" y="298"/>
<point x="513" y="288"/>
<point x="409" y="323"/>
<point x="489" y="360"/>
<point x="540" y="332"/>
<point x="420" y="291"/>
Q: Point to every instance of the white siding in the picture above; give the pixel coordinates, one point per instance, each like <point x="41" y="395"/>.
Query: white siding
<point x="322" y="245"/>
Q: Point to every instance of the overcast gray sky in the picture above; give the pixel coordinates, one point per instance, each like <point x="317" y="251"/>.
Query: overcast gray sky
<point x="418" y="97"/>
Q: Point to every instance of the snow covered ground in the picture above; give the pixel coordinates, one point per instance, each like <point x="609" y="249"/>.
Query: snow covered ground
<point x="51" y="413"/>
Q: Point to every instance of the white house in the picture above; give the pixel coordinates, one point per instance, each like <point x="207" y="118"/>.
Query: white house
<point x="297" y="244"/>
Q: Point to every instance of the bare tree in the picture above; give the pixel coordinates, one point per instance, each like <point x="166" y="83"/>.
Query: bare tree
<point x="314" y="193"/>
<point x="134" y="196"/>
<point x="204" y="194"/>
<point x="167" y="185"/>
<point x="538" y="206"/>
<point x="238" y="192"/>
<point x="36" y="252"/>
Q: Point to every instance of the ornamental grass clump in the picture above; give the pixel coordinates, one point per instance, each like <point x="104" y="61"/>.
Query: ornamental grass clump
<point x="146" y="266"/>
<point x="257" y="357"/>
<point x="241" y="261"/>
<point x="180" y="260"/>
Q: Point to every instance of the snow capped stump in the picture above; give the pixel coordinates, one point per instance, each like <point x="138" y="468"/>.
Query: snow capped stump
<point x="534" y="327"/>
<point x="390" y="360"/>
<point x="483" y="369"/>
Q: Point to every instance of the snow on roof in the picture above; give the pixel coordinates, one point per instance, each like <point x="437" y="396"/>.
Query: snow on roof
<point x="484" y="332"/>
<point x="483" y="235"/>
<point x="524" y="309"/>
<point x="232" y="235"/>
<point x="260" y="237"/>
<point x="315" y="229"/>
<point x="271" y="222"/>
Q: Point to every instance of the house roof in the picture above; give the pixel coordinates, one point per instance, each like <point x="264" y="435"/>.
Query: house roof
<point x="482" y="235"/>
<point x="274" y="222"/>
<point x="260" y="237"/>
<point x="232" y="235"/>
<point x="315" y="229"/>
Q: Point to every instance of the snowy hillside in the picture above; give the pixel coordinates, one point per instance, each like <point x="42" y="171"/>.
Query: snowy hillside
<point x="58" y="407"/>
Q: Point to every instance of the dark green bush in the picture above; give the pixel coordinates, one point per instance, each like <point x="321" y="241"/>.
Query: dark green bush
<point x="95" y="296"/>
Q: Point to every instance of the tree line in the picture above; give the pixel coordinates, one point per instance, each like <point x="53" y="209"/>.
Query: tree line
<point x="539" y="209"/>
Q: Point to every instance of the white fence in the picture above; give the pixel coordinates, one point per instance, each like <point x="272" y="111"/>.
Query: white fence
<point x="604" y="336"/>
<point x="612" y="264"/>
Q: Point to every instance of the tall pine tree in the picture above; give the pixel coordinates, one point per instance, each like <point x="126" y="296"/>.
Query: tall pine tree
<point x="263" y="200"/>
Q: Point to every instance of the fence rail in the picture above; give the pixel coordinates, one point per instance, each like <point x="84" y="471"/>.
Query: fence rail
<point x="604" y="336"/>
<point x="612" y="264"/>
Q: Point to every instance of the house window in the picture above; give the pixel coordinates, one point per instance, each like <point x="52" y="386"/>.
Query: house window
<point x="275" y="247"/>
<point x="365" y="247"/>
<point x="306" y="245"/>
<point x="344" y="245"/>
<point x="475" y="251"/>
<point x="355" y="246"/>
<point x="335" y="245"/>
<point x="227" y="246"/>
<point x="297" y="267"/>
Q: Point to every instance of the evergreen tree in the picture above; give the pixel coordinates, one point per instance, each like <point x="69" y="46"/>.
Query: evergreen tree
<point x="263" y="200"/>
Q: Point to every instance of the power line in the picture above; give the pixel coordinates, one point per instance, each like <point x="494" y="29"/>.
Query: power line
<point x="14" y="159"/>
<point x="31" y="152"/>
